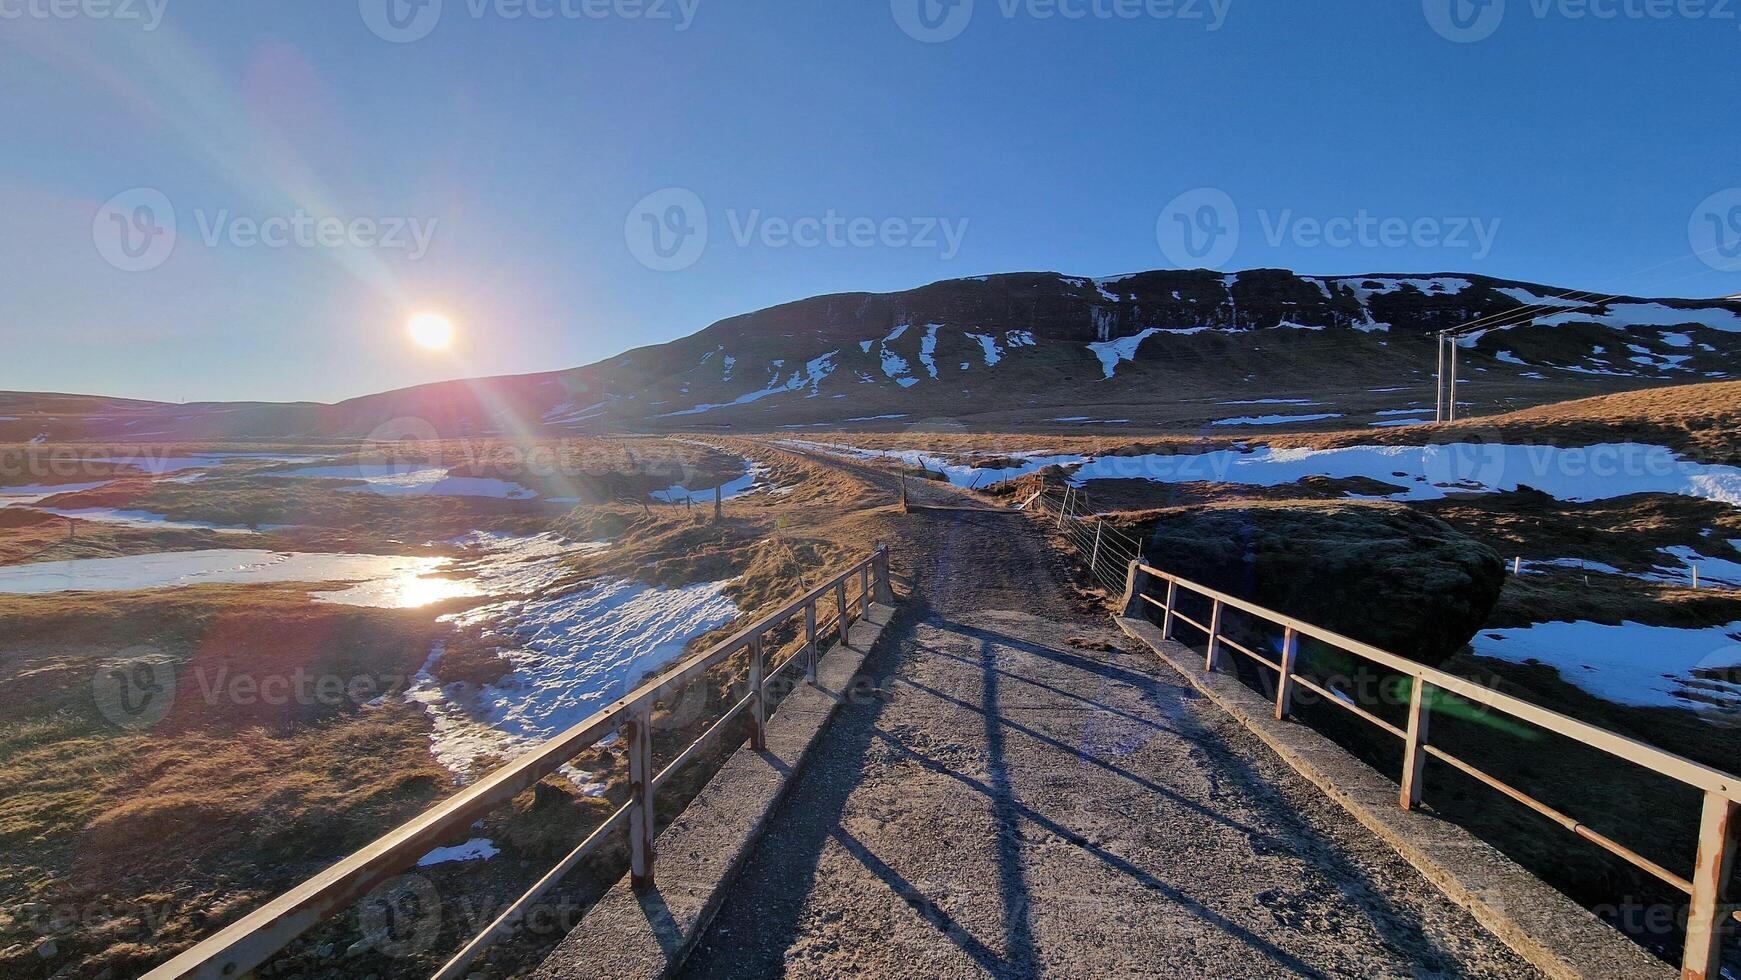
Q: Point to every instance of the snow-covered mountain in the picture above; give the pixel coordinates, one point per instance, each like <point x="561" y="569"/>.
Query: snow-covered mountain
<point x="1019" y="347"/>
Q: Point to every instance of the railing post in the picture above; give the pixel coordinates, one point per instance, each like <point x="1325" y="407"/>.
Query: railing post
<point x="840" y="601"/>
<point x="1705" y="920"/>
<point x="758" y="697"/>
<point x="1285" y="687"/>
<point x="810" y="652"/>
<point x="1094" y="559"/>
<point x="1167" y="618"/>
<point x="1214" y="658"/>
<point x="884" y="581"/>
<point x="1414" y="764"/>
<point x="864" y="587"/>
<point x="638" y="733"/>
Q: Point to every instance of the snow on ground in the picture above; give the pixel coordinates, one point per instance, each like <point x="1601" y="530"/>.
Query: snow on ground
<point x="476" y="849"/>
<point x="1114" y="352"/>
<point x="1712" y="571"/>
<point x="571" y="655"/>
<point x="1431" y="472"/>
<point x="1632" y="664"/>
<point x="960" y="474"/>
<point x="877" y="418"/>
<point x="390" y="480"/>
<point x="1276" y="419"/>
<point x="1274" y="401"/>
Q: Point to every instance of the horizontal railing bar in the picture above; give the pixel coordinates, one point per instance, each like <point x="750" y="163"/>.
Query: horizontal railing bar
<point x="701" y="742"/>
<point x="1639" y="753"/>
<point x="1253" y="654"/>
<point x="1186" y="619"/>
<point x="252" y="939"/>
<point x="1600" y="840"/>
<point x="1338" y="699"/>
<point x="457" y="966"/>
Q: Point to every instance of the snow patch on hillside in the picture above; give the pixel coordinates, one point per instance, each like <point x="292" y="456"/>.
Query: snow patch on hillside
<point x="1114" y="352"/>
<point x="928" y="349"/>
<point x="810" y="376"/>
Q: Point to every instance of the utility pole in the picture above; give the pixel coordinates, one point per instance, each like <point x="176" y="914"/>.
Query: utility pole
<point x="1439" y="382"/>
<point x="1451" y="392"/>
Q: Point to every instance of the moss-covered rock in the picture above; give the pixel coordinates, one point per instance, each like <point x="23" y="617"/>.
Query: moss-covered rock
<point x="1382" y="573"/>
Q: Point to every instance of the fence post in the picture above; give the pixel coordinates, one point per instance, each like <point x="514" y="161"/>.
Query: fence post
<point x="639" y="736"/>
<point x="1708" y="913"/>
<point x="718" y="503"/>
<point x="884" y="582"/>
<point x="1064" y="508"/>
<point x="758" y="699"/>
<point x="810" y="654"/>
<point x="1167" y="619"/>
<point x="840" y="601"/>
<point x="1094" y="560"/>
<point x="1414" y="765"/>
<point x="1285" y="687"/>
<point x="864" y="589"/>
<point x="1214" y="658"/>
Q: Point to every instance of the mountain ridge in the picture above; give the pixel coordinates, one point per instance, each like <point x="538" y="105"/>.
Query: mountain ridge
<point x="1012" y="345"/>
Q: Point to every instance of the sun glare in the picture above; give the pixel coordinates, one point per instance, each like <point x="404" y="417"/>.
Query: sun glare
<point x="431" y="331"/>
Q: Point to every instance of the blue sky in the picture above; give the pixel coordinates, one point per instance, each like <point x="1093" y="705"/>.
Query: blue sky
<point x="1565" y="149"/>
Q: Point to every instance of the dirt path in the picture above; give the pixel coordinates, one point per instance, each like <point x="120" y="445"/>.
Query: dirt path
<point x="1027" y="798"/>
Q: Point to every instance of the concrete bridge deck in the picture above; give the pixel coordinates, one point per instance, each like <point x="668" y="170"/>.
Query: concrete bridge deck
<point x="1033" y="796"/>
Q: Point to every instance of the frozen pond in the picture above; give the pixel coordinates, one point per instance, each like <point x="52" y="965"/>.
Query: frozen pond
<point x="388" y="581"/>
<point x="389" y="480"/>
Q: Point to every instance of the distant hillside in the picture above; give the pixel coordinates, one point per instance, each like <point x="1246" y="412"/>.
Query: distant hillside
<point x="1021" y="349"/>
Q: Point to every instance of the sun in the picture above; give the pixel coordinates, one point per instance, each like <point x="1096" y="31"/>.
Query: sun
<point x="431" y="331"/>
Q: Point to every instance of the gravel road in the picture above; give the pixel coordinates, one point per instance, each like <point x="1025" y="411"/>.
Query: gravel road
<point x="1028" y="797"/>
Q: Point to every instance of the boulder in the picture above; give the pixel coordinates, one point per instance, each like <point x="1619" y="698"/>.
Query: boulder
<point x="1382" y="573"/>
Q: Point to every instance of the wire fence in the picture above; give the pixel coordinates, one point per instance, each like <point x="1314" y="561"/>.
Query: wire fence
<point x="1104" y="549"/>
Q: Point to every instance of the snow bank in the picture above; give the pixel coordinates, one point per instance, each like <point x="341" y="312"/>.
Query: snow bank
<point x="1632" y="664"/>
<point x="571" y="655"/>
<point x="1431" y="472"/>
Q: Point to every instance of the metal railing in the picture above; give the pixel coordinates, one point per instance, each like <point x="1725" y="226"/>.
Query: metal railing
<point x="252" y="940"/>
<point x="1720" y="820"/>
<point x="1105" y="549"/>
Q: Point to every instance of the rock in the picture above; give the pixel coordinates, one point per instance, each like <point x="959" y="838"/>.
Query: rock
<point x="48" y="949"/>
<point x="1377" y="572"/>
